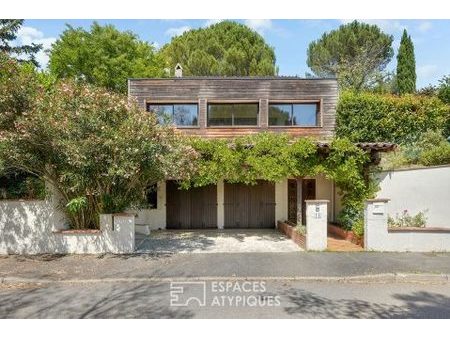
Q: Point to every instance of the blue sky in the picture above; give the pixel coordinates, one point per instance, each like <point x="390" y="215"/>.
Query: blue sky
<point x="290" y="38"/>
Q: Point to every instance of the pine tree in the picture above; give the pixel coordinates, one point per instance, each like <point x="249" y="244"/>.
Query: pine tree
<point x="8" y="33"/>
<point x="406" y="66"/>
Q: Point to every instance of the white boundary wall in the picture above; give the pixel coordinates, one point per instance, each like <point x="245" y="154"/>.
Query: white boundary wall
<point x="417" y="190"/>
<point x="36" y="227"/>
<point x="378" y="237"/>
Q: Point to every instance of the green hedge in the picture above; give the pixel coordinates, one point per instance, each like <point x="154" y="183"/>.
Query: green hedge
<point x="368" y="117"/>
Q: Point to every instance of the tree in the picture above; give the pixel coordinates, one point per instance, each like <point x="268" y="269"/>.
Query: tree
<point x="444" y="89"/>
<point x="97" y="149"/>
<point x="224" y="49"/>
<point x="103" y="56"/>
<point x="354" y="53"/>
<point x="406" y="66"/>
<point x="8" y="34"/>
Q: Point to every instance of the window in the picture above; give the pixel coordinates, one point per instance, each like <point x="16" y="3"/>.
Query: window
<point x="152" y="196"/>
<point x="233" y="114"/>
<point x="178" y="114"/>
<point x="294" y="114"/>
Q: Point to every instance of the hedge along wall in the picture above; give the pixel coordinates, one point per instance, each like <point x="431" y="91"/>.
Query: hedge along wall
<point x="368" y="117"/>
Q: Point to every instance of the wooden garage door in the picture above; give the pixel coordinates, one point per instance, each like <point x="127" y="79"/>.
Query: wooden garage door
<point x="250" y="206"/>
<point x="195" y="208"/>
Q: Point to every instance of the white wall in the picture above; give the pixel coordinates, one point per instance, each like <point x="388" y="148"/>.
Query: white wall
<point x="324" y="191"/>
<point x="154" y="218"/>
<point x="378" y="237"/>
<point x="34" y="227"/>
<point x="416" y="190"/>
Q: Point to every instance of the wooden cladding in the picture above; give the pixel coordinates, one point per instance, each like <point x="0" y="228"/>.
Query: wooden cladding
<point x="195" y="208"/>
<point x="249" y="206"/>
<point x="234" y="90"/>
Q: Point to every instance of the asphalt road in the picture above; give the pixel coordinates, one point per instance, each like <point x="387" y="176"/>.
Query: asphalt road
<point x="225" y="299"/>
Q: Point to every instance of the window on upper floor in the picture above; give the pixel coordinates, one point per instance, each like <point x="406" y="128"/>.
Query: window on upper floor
<point x="294" y="114"/>
<point x="179" y="114"/>
<point x="233" y="114"/>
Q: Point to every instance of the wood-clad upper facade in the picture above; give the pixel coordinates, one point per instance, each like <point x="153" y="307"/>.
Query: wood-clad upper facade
<point x="234" y="106"/>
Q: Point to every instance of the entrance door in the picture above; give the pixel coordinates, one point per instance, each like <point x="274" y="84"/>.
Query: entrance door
<point x="195" y="208"/>
<point x="249" y="206"/>
<point x="308" y="193"/>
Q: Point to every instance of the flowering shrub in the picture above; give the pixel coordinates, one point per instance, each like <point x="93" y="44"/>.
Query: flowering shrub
<point x="97" y="149"/>
<point x="406" y="220"/>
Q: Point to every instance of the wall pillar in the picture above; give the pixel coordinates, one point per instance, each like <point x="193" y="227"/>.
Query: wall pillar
<point x="220" y="204"/>
<point x="316" y="225"/>
<point x="375" y="223"/>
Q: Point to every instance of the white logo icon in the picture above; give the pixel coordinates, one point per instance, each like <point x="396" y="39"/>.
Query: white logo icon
<point x="179" y="296"/>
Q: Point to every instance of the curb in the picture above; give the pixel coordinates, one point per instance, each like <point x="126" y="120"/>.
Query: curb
<point x="378" y="278"/>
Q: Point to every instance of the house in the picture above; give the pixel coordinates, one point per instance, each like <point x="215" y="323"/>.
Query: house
<point x="227" y="107"/>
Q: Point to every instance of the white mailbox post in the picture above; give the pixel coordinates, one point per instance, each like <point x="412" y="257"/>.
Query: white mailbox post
<point x="375" y="223"/>
<point x="316" y="225"/>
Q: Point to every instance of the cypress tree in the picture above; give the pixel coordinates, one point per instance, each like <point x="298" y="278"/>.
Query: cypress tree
<point x="406" y="66"/>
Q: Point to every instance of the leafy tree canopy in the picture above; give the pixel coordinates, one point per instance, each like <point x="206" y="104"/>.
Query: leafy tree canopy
<point x="8" y="34"/>
<point x="406" y="66"/>
<point x="224" y="49"/>
<point x="444" y="89"/>
<point x="103" y="56"/>
<point x="354" y="53"/>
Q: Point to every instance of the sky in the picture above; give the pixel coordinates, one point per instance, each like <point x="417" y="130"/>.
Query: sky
<point x="290" y="39"/>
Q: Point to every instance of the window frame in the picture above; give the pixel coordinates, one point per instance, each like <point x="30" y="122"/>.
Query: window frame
<point x="234" y="102"/>
<point x="174" y="103"/>
<point x="319" y="113"/>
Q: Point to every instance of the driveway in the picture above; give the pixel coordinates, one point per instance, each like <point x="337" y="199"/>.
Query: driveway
<point x="204" y="241"/>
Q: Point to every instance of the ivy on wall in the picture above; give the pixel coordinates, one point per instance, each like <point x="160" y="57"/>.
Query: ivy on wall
<point x="273" y="157"/>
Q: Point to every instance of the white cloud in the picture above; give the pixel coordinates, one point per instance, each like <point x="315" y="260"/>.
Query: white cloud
<point x="427" y="71"/>
<point x="175" y="31"/>
<point x="388" y="26"/>
<point x="28" y="35"/>
<point x="424" y="26"/>
<point x="259" y="25"/>
<point x="211" y="22"/>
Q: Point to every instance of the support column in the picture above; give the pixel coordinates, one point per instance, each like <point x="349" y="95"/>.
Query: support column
<point x="316" y="225"/>
<point x="299" y="200"/>
<point x="220" y="204"/>
<point x="375" y="224"/>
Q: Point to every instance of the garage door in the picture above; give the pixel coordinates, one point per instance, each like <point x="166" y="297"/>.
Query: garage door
<point x="250" y="206"/>
<point x="195" y="208"/>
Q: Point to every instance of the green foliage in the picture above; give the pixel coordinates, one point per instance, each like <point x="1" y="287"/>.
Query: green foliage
<point x="354" y="53"/>
<point x="444" y="89"/>
<point x="431" y="149"/>
<point x="92" y="145"/>
<point x="406" y="66"/>
<point x="406" y="220"/>
<point x="103" y="56"/>
<point x="273" y="157"/>
<point x="8" y="34"/>
<point x="16" y="184"/>
<point x="358" y="227"/>
<point x="368" y="117"/>
<point x="224" y="49"/>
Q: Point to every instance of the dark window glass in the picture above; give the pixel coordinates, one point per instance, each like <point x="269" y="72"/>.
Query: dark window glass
<point x="178" y="114"/>
<point x="280" y="114"/>
<point x="233" y="114"/>
<point x="185" y="114"/>
<point x="245" y="114"/>
<point x="152" y="196"/>
<point x="304" y="114"/>
<point x="220" y="115"/>
<point x="297" y="114"/>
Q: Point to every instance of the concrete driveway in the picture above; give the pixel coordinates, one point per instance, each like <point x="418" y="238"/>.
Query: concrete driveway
<point x="204" y="241"/>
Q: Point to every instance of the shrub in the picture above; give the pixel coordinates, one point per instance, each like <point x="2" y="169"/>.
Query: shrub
<point x="406" y="220"/>
<point x="369" y="117"/>
<point x="97" y="149"/>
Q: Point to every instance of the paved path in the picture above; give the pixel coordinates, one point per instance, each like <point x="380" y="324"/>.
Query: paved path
<point x="207" y="241"/>
<point x="274" y="299"/>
